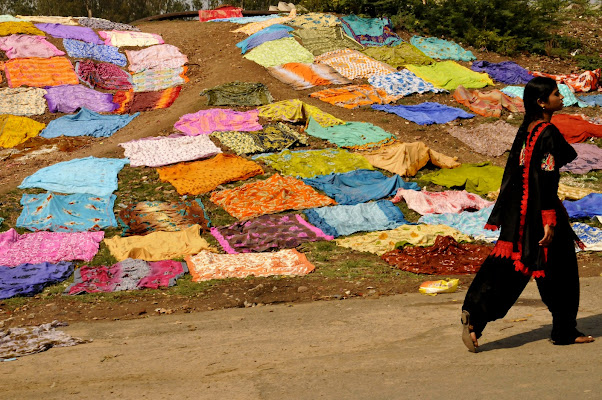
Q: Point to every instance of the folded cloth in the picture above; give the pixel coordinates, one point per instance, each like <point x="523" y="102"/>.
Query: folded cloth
<point x="103" y="75"/>
<point x="402" y="83"/>
<point x="39" y="72"/>
<point x="296" y="111"/>
<point x="15" y="130"/>
<point x="323" y="40"/>
<point x="86" y="123"/>
<point x="273" y="195"/>
<point x="27" y="46"/>
<point x="576" y="127"/>
<point x="569" y="97"/>
<point x="203" y="176"/>
<point x="100" y="52"/>
<point x="61" y="31"/>
<point x="470" y="223"/>
<point x="128" y="274"/>
<point x="220" y="12"/>
<point x="426" y="113"/>
<point x="578" y="82"/>
<point x="161" y="56"/>
<point x="491" y="139"/>
<point x="398" y="56"/>
<point x="21" y="27"/>
<point x="356" y="135"/>
<point x="589" y="157"/>
<point x="128" y="38"/>
<point x="31" y="279"/>
<point x="105" y="24"/>
<point x="359" y="186"/>
<point x="159" y="151"/>
<point x="270" y="33"/>
<point x="204" y="122"/>
<point x="449" y="201"/>
<point x="238" y="94"/>
<point x="273" y="137"/>
<point x="304" y="76"/>
<point x="370" y="31"/>
<point x="71" y="213"/>
<point x="449" y="75"/>
<point x="353" y="96"/>
<point x="441" y="49"/>
<point x="68" y="98"/>
<point x="488" y="104"/>
<point x="131" y="102"/>
<point x="53" y="247"/>
<point x="364" y="217"/>
<point x="507" y="72"/>
<point x="590" y="236"/>
<point x="278" y="52"/>
<point x="479" y="178"/>
<point x="22" y="101"/>
<point x="352" y="64"/>
<point x="587" y="207"/>
<point x="266" y="233"/>
<point x="314" y="20"/>
<point x="159" y="79"/>
<point x="206" y="266"/>
<point x="95" y="176"/>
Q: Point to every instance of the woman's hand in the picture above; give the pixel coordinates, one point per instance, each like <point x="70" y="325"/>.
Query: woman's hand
<point x="548" y="235"/>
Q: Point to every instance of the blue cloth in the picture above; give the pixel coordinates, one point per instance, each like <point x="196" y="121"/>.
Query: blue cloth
<point x="97" y="176"/>
<point x="591" y="100"/>
<point x="246" y="20"/>
<point x="359" y="186"/>
<point x="425" y="113"/>
<point x="470" y="223"/>
<point x="402" y="83"/>
<point x="365" y="217"/>
<point x="589" y="206"/>
<point x="71" y="213"/>
<point x="86" y="123"/>
<point x="589" y="235"/>
<point x="441" y="49"/>
<point x="569" y="97"/>
<point x="273" y="32"/>
<point x="31" y="279"/>
<point x="1" y="221"/>
<point x="100" y="52"/>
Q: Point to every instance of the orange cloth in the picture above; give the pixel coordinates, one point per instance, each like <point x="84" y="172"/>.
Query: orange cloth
<point x="488" y="104"/>
<point x="353" y="96"/>
<point x="575" y="128"/>
<point x="40" y="72"/>
<point x="275" y="194"/>
<point x="203" y="176"/>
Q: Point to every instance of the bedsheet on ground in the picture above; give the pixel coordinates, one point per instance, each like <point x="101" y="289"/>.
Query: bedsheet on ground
<point x="479" y="178"/>
<point x="273" y="137"/>
<point x="304" y="76"/>
<point x="86" y="123"/>
<point x="31" y="279"/>
<point x="278" y="52"/>
<point x="578" y="82"/>
<point x="314" y="20"/>
<point x="589" y="157"/>
<point x="131" y="102"/>
<point x="159" y="79"/>
<point x="22" y="101"/>
<point x="15" y="130"/>
<point x="130" y="39"/>
<point x="398" y="56"/>
<point x="352" y="64"/>
<point x="426" y="113"/>
<point x="354" y="96"/>
<point x="238" y="94"/>
<point x="370" y="31"/>
<point x="470" y="223"/>
<point x="68" y="98"/>
<point x="296" y="111"/>
<point x="204" y="122"/>
<point x="20" y="27"/>
<point x="449" y="201"/>
<point x="100" y="52"/>
<point x="488" y="104"/>
<point x="449" y="75"/>
<point x="103" y="75"/>
<point x="442" y="49"/>
<point x="402" y="83"/>
<point x="61" y="31"/>
<point x="356" y="135"/>
<point x="268" y="34"/>
<point x="323" y="40"/>
<point x="39" y="72"/>
<point x="27" y="46"/>
<point x="589" y="235"/>
<point x="161" y="56"/>
<point x="576" y="127"/>
<point x="587" y="207"/>
<point x="491" y="139"/>
<point x="569" y="97"/>
<point x="507" y="72"/>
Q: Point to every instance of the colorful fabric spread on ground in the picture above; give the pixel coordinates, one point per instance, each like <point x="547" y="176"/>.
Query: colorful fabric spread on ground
<point x="129" y="38"/>
<point x="444" y="257"/>
<point x="26" y="46"/>
<point x="31" y="279"/>
<point x="569" y="97"/>
<point x="352" y="64"/>
<point x="150" y="216"/>
<point x="274" y="137"/>
<point x="353" y="96"/>
<point x="95" y="176"/>
<point x="572" y="193"/>
<point x="131" y="102"/>
<point x="370" y="31"/>
<point x="103" y="75"/>
<point x="273" y="195"/>
<point x="159" y="79"/>
<point x="425" y="113"/>
<point x="406" y="159"/>
<point x="15" y="130"/>
<point x="86" y="123"/>
<point x="359" y="186"/>
<point x="126" y="275"/>
<point x="206" y="266"/>
<point x="68" y="98"/>
<point x="589" y="235"/>
<point x="15" y="28"/>
<point x="441" y="49"/>
<point x="278" y="52"/>
<point x="357" y="135"/>
<point x="39" y="72"/>
<point x="314" y="20"/>
<point x="247" y="20"/>
<point x="203" y="176"/>
<point x="161" y="56"/>
<point x="470" y="223"/>
<point x="507" y="72"/>
<point x="255" y="27"/>
<point x="53" y="247"/>
<point x="18" y="342"/>
<point x="204" y="122"/>
<point x="322" y="40"/>
<point x="591" y="100"/>
<point x="268" y="34"/>
<point x="589" y="157"/>
<point x="48" y="19"/>
<point x="304" y="76"/>
<point x="587" y="207"/>
<point x="159" y="151"/>
<point x="480" y="178"/>
<point x="491" y="139"/>
<point x="579" y="82"/>
<point x="267" y="233"/>
<point x="310" y="163"/>
<point x="449" y="75"/>
<point x="70" y="32"/>
<point x="488" y="104"/>
<point x="100" y="52"/>
<point x="221" y="12"/>
<point x="402" y="83"/>
<point x="8" y="18"/>
<point x="364" y="217"/>
<point x="105" y="24"/>
<point x="22" y="101"/>
<point x="158" y="246"/>
<point x="449" y="201"/>
<point x="238" y="94"/>
<point x="398" y="56"/>
<point x="575" y="127"/>
<point x="382" y="241"/>
<point x="296" y="111"/>
<point x="71" y="213"/>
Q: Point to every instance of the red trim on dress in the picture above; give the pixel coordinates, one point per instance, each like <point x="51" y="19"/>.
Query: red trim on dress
<point x="548" y="217"/>
<point x="502" y="249"/>
<point x="491" y="227"/>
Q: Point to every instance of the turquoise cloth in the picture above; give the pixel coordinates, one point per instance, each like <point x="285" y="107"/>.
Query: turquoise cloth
<point x="370" y="31"/>
<point x="1" y="221"/>
<point x="569" y="97"/>
<point x="365" y="217"/>
<point x="350" y="134"/>
<point x="441" y="49"/>
<point x="86" y="123"/>
<point x="97" y="176"/>
<point x="71" y="213"/>
<point x="470" y="223"/>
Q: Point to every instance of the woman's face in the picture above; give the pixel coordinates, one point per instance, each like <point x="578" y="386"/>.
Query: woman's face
<point x="554" y="102"/>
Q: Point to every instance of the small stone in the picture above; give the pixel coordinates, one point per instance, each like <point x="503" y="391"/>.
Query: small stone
<point x="302" y="289"/>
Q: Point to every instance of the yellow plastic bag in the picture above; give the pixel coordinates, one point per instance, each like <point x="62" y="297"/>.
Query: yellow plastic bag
<point x="432" y="288"/>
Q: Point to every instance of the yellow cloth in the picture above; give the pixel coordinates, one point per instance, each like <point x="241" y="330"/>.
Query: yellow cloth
<point x="15" y="28"/>
<point x="406" y="159"/>
<point x="352" y="64"/>
<point x="295" y="111"/>
<point x="158" y="246"/>
<point x="565" y="192"/>
<point x="449" y="75"/>
<point x="255" y="27"/>
<point x="16" y="130"/>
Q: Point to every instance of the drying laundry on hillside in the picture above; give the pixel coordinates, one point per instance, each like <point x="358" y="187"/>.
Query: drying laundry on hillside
<point x="86" y="123"/>
<point x="15" y="130"/>
<point x="449" y="75"/>
<point x="39" y="72"/>
<point x="31" y="279"/>
<point x="27" y="46"/>
<point x="354" y="96"/>
<point x="61" y="31"/>
<point x="304" y="76"/>
<point x="441" y="49"/>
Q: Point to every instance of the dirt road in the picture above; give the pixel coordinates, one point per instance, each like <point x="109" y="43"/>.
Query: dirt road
<point x="398" y="347"/>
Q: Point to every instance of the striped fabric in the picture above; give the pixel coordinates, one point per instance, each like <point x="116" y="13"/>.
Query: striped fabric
<point x="131" y="102"/>
<point x="40" y="72"/>
<point x="304" y="76"/>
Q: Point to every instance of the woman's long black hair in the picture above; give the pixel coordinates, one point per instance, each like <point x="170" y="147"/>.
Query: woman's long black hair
<point x="539" y="88"/>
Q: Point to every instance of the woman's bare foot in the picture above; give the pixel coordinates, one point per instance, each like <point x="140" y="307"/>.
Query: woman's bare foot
<point x="584" y="339"/>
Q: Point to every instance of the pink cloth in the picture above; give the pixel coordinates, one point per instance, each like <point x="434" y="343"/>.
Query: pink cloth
<point x="205" y="122"/>
<point x="449" y="201"/>
<point x="161" y="56"/>
<point x="26" y="46"/>
<point x="50" y="247"/>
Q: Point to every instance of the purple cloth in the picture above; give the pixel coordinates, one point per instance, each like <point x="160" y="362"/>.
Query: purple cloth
<point x="31" y="279"/>
<point x="589" y="206"/>
<point x="68" y="98"/>
<point x="507" y="72"/>
<point x="71" y="32"/>
<point x="589" y="157"/>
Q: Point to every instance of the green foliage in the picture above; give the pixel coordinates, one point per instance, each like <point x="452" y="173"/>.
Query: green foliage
<point x="587" y="62"/>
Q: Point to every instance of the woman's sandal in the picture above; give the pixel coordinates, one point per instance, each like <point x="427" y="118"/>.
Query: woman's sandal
<point x="470" y="344"/>
<point x="578" y="340"/>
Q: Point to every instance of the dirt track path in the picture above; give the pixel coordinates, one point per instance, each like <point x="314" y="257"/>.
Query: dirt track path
<point x="399" y="347"/>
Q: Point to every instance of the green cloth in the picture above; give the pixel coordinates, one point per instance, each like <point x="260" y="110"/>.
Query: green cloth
<point x="238" y="94"/>
<point x="278" y="52"/>
<point x="296" y="111"/>
<point x="449" y="75"/>
<point x="350" y="134"/>
<point x="480" y="178"/>
<point x="271" y="138"/>
<point x="310" y="163"/>
<point x="398" y="56"/>
<point x="314" y="20"/>
<point x="322" y="40"/>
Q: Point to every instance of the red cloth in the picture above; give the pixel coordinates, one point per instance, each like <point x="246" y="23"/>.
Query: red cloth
<point x="220" y="12"/>
<point x="575" y="128"/>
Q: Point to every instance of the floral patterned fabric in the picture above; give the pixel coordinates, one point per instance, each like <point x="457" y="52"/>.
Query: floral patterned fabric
<point x="99" y="52"/>
<point x="488" y="104"/>
<point x="578" y="82"/>
<point x="354" y="96"/>
<point x="322" y="40"/>
<point x="159" y="79"/>
<point x="402" y="83"/>
<point x="589" y="235"/>
<point x="22" y="101"/>
<point x="103" y="75"/>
